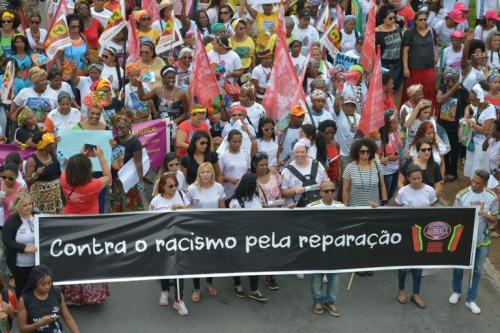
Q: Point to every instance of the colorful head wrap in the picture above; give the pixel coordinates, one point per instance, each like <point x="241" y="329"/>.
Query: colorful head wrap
<point x="100" y="85"/>
<point x="47" y="139"/>
<point x="218" y="26"/>
<point x="198" y="109"/>
<point x="23" y="115"/>
<point x="234" y="24"/>
<point x="132" y="67"/>
<point x="7" y="14"/>
<point x="356" y="68"/>
<point x="99" y="67"/>
<point x="492" y="76"/>
<point x="450" y="73"/>
<point x="238" y="108"/>
<point x="36" y="74"/>
<point x="303" y="142"/>
<point x="96" y="99"/>
<point x="317" y="93"/>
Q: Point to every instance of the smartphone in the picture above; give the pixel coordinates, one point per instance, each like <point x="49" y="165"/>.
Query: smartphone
<point x="90" y="149"/>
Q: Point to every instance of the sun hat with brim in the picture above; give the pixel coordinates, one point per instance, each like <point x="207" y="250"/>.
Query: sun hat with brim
<point x="350" y="100"/>
<point x="456" y="15"/>
<point x="461" y="6"/>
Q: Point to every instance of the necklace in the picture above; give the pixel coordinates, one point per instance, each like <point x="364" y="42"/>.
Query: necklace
<point x="352" y="125"/>
<point x="48" y="160"/>
<point x="362" y="180"/>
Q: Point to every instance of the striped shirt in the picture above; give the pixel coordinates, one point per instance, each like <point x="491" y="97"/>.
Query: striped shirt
<point x="364" y="183"/>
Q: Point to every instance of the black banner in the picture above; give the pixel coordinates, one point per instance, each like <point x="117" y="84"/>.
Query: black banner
<point x="140" y="246"/>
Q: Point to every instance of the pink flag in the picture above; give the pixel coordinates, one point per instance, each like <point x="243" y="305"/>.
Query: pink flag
<point x="372" y="117"/>
<point x="340" y="16"/>
<point x="368" y="53"/>
<point x="152" y="7"/>
<point x="299" y="92"/>
<point x="133" y="41"/>
<point x="283" y="83"/>
<point x="203" y="86"/>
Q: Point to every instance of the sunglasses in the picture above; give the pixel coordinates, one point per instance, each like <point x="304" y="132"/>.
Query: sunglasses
<point x="364" y="151"/>
<point x="144" y="19"/>
<point x="172" y="186"/>
<point x="145" y="52"/>
<point x="35" y="22"/>
<point x="425" y="150"/>
<point x="74" y="27"/>
<point x="203" y="143"/>
<point x="6" y="21"/>
<point x="173" y="164"/>
<point x="237" y="115"/>
<point x="224" y="13"/>
<point x="391" y="18"/>
<point x="8" y="178"/>
<point x="106" y="56"/>
<point x="422" y="19"/>
<point x="187" y="58"/>
<point x="327" y="191"/>
<point x="270" y="129"/>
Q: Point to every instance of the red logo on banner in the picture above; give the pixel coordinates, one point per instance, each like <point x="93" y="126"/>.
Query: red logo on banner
<point x="437" y="230"/>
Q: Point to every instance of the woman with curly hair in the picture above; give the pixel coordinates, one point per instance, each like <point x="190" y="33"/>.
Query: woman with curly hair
<point x="126" y="147"/>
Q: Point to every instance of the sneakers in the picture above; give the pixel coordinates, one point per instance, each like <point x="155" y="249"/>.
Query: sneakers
<point x="317" y="308"/>
<point x="271" y="283"/>
<point x="454" y="298"/>
<point x="473" y="307"/>
<point x="300" y="276"/>
<point x="180" y="307"/>
<point x="332" y="309"/>
<point x="163" y="298"/>
<point x="238" y="290"/>
<point x="257" y="295"/>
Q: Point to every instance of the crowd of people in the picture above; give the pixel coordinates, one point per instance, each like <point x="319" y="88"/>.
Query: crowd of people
<point x="441" y="88"/>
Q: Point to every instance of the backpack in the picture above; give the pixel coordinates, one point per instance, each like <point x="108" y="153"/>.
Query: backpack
<point x="308" y="196"/>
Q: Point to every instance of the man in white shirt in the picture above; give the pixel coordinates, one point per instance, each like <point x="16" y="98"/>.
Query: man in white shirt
<point x="476" y="195"/>
<point x="304" y="32"/>
<point x="325" y="302"/>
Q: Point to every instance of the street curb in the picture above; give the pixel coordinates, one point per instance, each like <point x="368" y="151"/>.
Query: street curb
<point x="492" y="274"/>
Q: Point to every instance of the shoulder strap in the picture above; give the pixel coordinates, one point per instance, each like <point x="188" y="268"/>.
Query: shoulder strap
<point x="314" y="169"/>
<point x="182" y="196"/>
<point x="241" y="202"/>
<point x="297" y="174"/>
<point x="249" y="121"/>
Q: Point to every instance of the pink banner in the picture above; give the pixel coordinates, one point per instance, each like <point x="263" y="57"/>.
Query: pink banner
<point x="178" y="7"/>
<point x="5" y="149"/>
<point x="154" y="136"/>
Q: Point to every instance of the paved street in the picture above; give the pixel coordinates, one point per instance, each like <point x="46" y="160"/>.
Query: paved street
<point x="369" y="307"/>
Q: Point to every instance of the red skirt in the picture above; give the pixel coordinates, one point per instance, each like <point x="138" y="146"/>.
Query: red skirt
<point x="427" y="78"/>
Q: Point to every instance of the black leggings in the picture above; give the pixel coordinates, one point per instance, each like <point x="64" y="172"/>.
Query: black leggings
<point x="451" y="159"/>
<point x="196" y="282"/>
<point x="254" y="282"/>
<point x="21" y="277"/>
<point x="165" y="286"/>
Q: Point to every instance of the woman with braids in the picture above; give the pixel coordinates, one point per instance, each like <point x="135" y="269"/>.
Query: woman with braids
<point x="111" y="70"/>
<point x="172" y="102"/>
<point x="390" y="146"/>
<point x="38" y="302"/>
<point x="126" y="147"/>
<point x="42" y="172"/>
<point x="81" y="192"/>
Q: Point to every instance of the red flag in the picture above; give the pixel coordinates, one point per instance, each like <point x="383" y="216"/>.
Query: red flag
<point x="283" y="83"/>
<point x="368" y="50"/>
<point x="340" y="16"/>
<point x="372" y="117"/>
<point x="203" y="86"/>
<point x="152" y="7"/>
<point x="133" y="41"/>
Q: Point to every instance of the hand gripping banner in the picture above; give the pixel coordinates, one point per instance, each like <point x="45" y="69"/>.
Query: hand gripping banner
<point x="146" y="245"/>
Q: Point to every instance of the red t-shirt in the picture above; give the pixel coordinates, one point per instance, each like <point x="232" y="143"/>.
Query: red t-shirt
<point x="84" y="199"/>
<point x="187" y="127"/>
<point x="333" y="166"/>
<point x="92" y="34"/>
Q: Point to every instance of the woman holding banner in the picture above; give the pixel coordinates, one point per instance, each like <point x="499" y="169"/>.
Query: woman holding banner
<point x="125" y="148"/>
<point x="81" y="192"/>
<point x="417" y="195"/>
<point x="205" y="193"/>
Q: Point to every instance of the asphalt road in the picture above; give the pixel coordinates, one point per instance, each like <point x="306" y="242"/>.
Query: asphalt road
<point x="370" y="306"/>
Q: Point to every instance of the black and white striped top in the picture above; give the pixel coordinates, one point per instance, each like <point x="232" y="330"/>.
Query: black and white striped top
<point x="364" y="183"/>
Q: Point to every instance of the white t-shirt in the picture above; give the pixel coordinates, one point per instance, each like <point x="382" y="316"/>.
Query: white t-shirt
<point x="53" y="94"/>
<point x="181" y="180"/>
<point x="254" y="113"/>
<point x="162" y="204"/>
<point x="321" y="204"/>
<point x="494" y="155"/>
<point x="353" y="54"/>
<point x="444" y="33"/>
<point x="486" y="114"/>
<point x="26" y="235"/>
<point x="493" y="59"/>
<point x="298" y="63"/>
<point x="346" y="130"/>
<point x="230" y="62"/>
<point x="109" y="73"/>
<point x="318" y="117"/>
<point x="261" y="75"/>
<point x="201" y="197"/>
<point x="84" y="86"/>
<point x="451" y="58"/>
<point x="291" y="137"/>
<point x="39" y="103"/>
<point x="233" y="165"/>
<point x="251" y="204"/>
<point x="271" y="150"/>
<point x="410" y="197"/>
<point x="64" y="122"/>
<point x="473" y="77"/>
<point x="289" y="180"/>
<point x="43" y="35"/>
<point x="102" y="16"/>
<point x="348" y="41"/>
<point x="481" y="33"/>
<point x="306" y="36"/>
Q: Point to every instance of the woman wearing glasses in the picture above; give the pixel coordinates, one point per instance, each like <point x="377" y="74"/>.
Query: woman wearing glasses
<point x="431" y="174"/>
<point x="151" y="63"/>
<point x="187" y="129"/>
<point x="10" y="22"/>
<point x="184" y="68"/>
<point x="18" y="236"/>
<point x="243" y="44"/>
<point x="144" y="29"/>
<point x="198" y="152"/>
<point x="111" y="69"/>
<point x="419" y="51"/>
<point x="474" y="65"/>
<point x="9" y="188"/>
<point x="267" y="143"/>
<point x="172" y="164"/>
<point x="36" y="35"/>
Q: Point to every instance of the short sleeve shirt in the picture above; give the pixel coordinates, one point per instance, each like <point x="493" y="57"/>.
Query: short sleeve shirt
<point x="82" y="199"/>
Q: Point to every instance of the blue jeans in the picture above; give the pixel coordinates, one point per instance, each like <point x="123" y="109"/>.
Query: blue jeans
<point x="417" y="278"/>
<point x="331" y="288"/>
<point x="391" y="184"/>
<point x="458" y="275"/>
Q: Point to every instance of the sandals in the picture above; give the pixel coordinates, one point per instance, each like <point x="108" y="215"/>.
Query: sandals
<point x="212" y="291"/>
<point x="195" y="297"/>
<point x="401" y="298"/>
